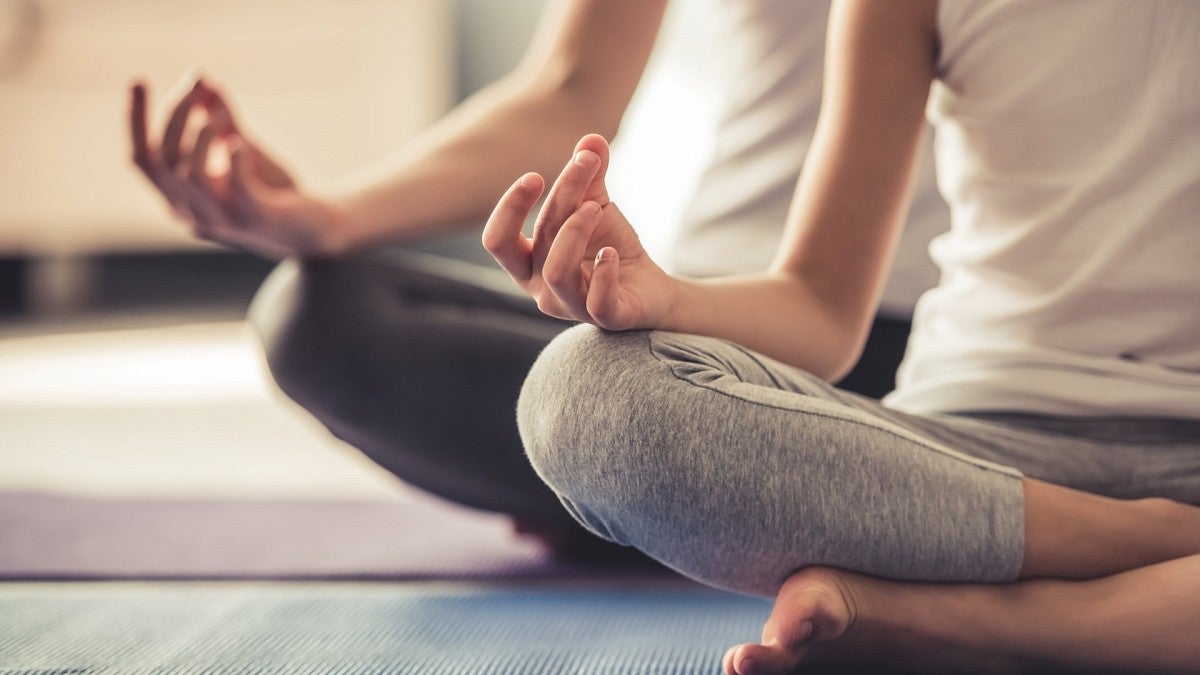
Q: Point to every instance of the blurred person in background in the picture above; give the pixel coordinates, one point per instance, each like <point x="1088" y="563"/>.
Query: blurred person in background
<point x="417" y="360"/>
<point x="1027" y="497"/>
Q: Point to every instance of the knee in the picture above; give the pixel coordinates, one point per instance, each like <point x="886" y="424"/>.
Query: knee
<point x="552" y="410"/>
<point x="624" y="429"/>
<point x="594" y="421"/>
<point x="300" y="316"/>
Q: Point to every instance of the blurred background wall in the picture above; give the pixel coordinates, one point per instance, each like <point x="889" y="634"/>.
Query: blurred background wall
<point x="330" y="87"/>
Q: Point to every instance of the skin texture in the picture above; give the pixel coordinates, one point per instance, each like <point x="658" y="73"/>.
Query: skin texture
<point x="571" y="265"/>
<point x="814" y="307"/>
<point x="574" y="78"/>
<point x="1135" y="621"/>
<point x="253" y="203"/>
<point x="1132" y="567"/>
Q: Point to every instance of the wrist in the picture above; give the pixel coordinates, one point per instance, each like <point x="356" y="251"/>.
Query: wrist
<point x="343" y="231"/>
<point x="679" y="300"/>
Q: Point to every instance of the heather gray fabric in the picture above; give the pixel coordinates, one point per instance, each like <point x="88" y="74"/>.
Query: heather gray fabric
<point x="736" y="470"/>
<point x="417" y="359"/>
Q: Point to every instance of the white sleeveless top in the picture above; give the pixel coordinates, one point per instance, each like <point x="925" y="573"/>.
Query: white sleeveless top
<point x="1068" y="147"/>
<point x="769" y="78"/>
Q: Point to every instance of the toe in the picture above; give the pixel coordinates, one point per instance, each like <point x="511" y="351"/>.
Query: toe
<point x="764" y="660"/>
<point x="793" y="619"/>
<point x="811" y="607"/>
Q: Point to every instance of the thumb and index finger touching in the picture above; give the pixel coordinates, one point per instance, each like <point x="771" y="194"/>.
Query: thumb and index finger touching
<point x="166" y="153"/>
<point x="582" y="180"/>
<point x="159" y="160"/>
<point x="503" y="237"/>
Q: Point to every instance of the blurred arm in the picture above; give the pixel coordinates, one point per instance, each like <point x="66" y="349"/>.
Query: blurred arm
<point x="578" y="76"/>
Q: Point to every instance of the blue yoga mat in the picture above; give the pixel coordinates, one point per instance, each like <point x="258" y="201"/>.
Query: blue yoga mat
<point x="365" y="628"/>
<point x="302" y="628"/>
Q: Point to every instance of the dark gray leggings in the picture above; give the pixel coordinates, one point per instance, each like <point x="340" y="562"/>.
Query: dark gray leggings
<point x="417" y="360"/>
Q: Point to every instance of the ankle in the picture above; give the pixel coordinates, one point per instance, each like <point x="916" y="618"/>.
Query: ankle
<point x="1179" y="523"/>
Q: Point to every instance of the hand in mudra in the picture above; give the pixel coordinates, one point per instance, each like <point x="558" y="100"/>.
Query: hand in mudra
<point x="585" y="261"/>
<point x="224" y="185"/>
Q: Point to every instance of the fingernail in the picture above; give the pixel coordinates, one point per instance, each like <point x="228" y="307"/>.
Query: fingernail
<point x="604" y="254"/>
<point x="806" y="631"/>
<point x="586" y="158"/>
<point x="589" y="208"/>
<point x="529" y="181"/>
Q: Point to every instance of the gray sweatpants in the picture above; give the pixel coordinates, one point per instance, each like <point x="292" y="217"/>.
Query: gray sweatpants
<point x="736" y="470"/>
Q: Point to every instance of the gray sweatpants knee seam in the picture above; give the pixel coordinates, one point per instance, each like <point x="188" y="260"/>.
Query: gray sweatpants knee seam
<point x="875" y="425"/>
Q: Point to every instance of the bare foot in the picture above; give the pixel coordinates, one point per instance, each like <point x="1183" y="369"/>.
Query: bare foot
<point x="815" y="606"/>
<point x="829" y="616"/>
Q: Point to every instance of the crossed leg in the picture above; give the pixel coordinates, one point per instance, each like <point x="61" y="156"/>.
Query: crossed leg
<point x="1140" y="620"/>
<point x="739" y="471"/>
<point x="1125" y="596"/>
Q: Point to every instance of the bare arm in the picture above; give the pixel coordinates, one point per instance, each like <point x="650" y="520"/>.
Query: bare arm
<point x="577" y="76"/>
<point x="813" y="308"/>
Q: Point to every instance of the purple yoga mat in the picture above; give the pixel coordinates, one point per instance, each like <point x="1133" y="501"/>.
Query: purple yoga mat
<point x="52" y="536"/>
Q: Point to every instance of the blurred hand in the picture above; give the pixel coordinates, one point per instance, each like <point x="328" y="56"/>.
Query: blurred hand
<point x="225" y="186"/>
<point x="585" y="261"/>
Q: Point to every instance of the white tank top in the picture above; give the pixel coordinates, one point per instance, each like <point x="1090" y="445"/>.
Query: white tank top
<point x="769" y="77"/>
<point x="1068" y="147"/>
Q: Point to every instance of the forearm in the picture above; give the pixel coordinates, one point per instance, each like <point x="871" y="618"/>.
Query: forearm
<point x="577" y="77"/>
<point x="773" y="314"/>
<point x="814" y="309"/>
<point x="452" y="174"/>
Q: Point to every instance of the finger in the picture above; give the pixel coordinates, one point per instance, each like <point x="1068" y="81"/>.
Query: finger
<point x="795" y="618"/>
<point x="173" y="135"/>
<point x="564" y="198"/>
<point x="143" y="155"/>
<point x="502" y="234"/>
<point x="245" y="198"/>
<point x="197" y="162"/>
<point x="751" y="659"/>
<point x="597" y="191"/>
<point x="266" y="169"/>
<point x="604" y="291"/>
<point x="213" y="100"/>
<point x="561" y="271"/>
